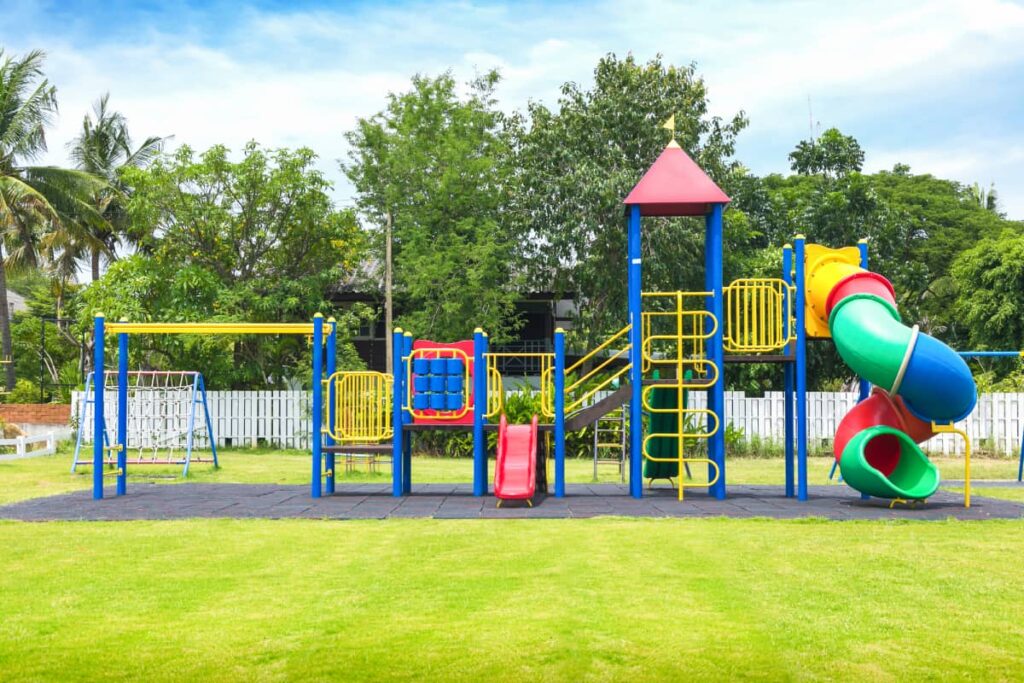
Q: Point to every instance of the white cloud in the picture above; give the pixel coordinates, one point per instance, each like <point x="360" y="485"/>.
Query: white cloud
<point x="302" y="77"/>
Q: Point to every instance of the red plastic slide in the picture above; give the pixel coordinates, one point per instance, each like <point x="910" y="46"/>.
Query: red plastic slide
<point x="515" y="473"/>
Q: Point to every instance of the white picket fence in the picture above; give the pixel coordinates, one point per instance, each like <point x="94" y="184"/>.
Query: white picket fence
<point x="281" y="418"/>
<point x="22" y="446"/>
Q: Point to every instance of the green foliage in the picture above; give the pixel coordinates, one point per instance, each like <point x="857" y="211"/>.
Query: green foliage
<point x="576" y="164"/>
<point x="832" y="154"/>
<point x="989" y="285"/>
<point x="256" y="240"/>
<point x="436" y="165"/>
<point x="25" y="391"/>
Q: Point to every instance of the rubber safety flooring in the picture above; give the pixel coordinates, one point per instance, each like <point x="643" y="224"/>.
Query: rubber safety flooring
<point x="455" y="501"/>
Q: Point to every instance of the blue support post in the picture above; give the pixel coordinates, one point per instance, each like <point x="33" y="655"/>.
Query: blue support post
<point x="332" y="367"/>
<point x="316" y="432"/>
<point x="479" y="410"/>
<point x="209" y="422"/>
<point x="397" y="397"/>
<point x="559" y="389"/>
<point x="122" y="413"/>
<point x="788" y="374"/>
<point x="801" y="369"/>
<point x="98" y="425"/>
<point x="635" y="300"/>
<point x="865" y="386"/>
<point x="716" y="344"/>
<point x="406" y="417"/>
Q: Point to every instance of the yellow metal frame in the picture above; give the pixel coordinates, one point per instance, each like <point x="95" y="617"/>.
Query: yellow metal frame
<point x="209" y="328"/>
<point x="580" y="382"/>
<point x="681" y="435"/>
<point x="689" y="346"/>
<point x="433" y="354"/>
<point x="362" y="406"/>
<point x="495" y="386"/>
<point x="953" y="429"/>
<point x="758" y="315"/>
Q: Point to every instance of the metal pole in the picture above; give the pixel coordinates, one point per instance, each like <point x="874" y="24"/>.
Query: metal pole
<point x="406" y="417"/>
<point x="316" y="484"/>
<point x="865" y="386"/>
<point x="801" y="370"/>
<point x="559" y="390"/>
<point x="97" y="408"/>
<point x="479" y="410"/>
<point x="332" y="367"/>
<point x="716" y="346"/>
<point x="122" y="413"/>
<point x="397" y="395"/>
<point x="787" y="372"/>
<point x="636" y="428"/>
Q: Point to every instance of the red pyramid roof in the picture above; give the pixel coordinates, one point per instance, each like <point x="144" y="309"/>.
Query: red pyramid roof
<point x="675" y="186"/>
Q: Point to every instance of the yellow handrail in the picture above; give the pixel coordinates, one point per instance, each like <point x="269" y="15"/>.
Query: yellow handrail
<point x="495" y="387"/>
<point x="953" y="429"/>
<point x="583" y="379"/>
<point x="758" y="315"/>
<point x="362" y="406"/>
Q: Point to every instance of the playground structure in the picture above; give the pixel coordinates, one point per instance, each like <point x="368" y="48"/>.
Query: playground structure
<point x="119" y="449"/>
<point x="162" y="411"/>
<point x="673" y="343"/>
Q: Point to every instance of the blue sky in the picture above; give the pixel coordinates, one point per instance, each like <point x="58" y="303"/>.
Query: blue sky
<point x="937" y="84"/>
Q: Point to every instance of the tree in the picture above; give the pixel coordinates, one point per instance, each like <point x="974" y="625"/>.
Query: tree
<point x="104" y="148"/>
<point x="434" y="168"/>
<point x="576" y="164"/>
<point x="989" y="280"/>
<point x="256" y="239"/>
<point x="38" y="204"/>
<point x="832" y="154"/>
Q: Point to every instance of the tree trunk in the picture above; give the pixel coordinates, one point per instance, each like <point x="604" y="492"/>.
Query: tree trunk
<point x="5" y="326"/>
<point x="388" y="312"/>
<point x="95" y="265"/>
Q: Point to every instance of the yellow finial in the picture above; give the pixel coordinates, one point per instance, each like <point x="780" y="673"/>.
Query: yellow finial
<point x="862" y="240"/>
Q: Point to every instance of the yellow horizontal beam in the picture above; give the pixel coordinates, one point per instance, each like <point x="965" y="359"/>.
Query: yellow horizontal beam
<point x="212" y="328"/>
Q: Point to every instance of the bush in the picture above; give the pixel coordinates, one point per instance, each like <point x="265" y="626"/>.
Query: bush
<point x="25" y="391"/>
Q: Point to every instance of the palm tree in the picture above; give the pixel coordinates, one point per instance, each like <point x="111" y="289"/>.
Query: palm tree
<point x="104" y="148"/>
<point x="37" y="203"/>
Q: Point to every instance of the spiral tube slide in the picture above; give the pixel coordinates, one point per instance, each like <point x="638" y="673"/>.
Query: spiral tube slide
<point x="918" y="380"/>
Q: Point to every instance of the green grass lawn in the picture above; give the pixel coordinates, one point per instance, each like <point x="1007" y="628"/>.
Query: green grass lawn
<point x="569" y="600"/>
<point x="572" y="600"/>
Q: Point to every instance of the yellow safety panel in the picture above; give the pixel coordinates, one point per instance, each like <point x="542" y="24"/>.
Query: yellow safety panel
<point x="496" y="389"/>
<point x="362" y="406"/>
<point x="758" y="315"/>
<point x="824" y="268"/>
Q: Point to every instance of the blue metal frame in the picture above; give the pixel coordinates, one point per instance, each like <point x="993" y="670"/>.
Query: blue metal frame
<point x="397" y="453"/>
<point x="788" y="375"/>
<point x="635" y="300"/>
<point x="316" y="435"/>
<point x="332" y="367"/>
<point x="98" y="426"/>
<point x="122" y="414"/>
<point x="479" y="410"/>
<point x="801" y="369"/>
<point x="716" y="345"/>
<point x="559" y="427"/>
<point x="407" y="439"/>
<point x="1002" y="354"/>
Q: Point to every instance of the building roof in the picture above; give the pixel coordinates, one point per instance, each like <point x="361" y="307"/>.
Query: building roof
<point x="675" y="186"/>
<point x="16" y="302"/>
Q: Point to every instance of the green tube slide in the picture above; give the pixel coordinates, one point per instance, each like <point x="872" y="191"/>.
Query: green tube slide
<point x="870" y="337"/>
<point x="884" y="462"/>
